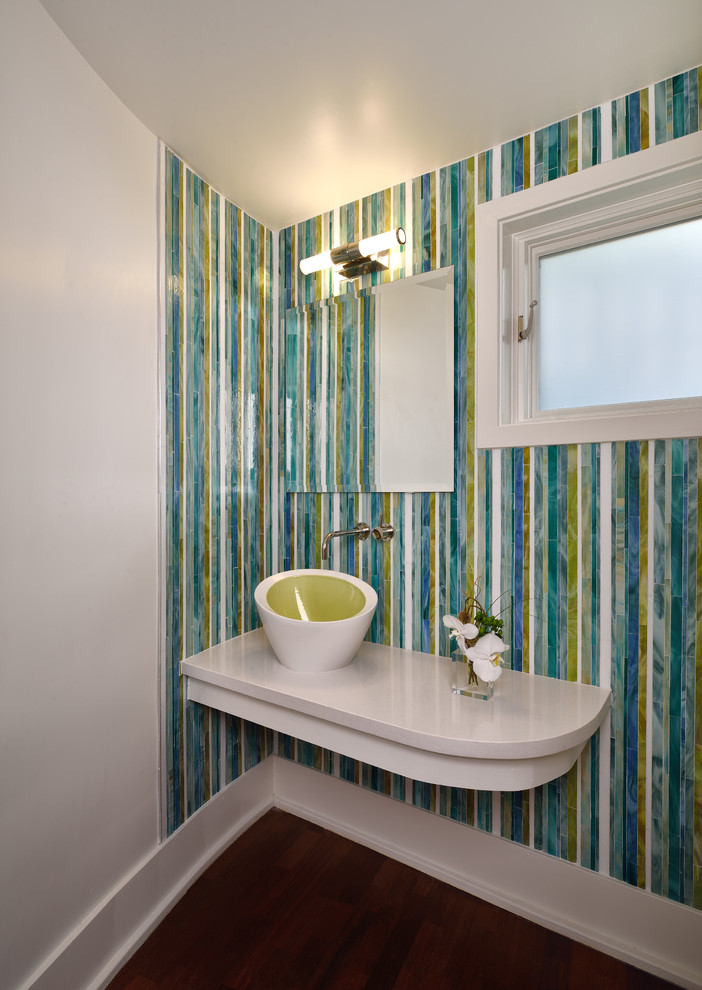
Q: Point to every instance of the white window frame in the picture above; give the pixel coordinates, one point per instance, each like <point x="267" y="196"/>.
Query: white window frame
<point x="651" y="188"/>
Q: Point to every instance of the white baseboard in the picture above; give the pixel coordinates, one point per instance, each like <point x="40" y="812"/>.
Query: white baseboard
<point x="95" y="951"/>
<point x="650" y="932"/>
<point x="637" y="927"/>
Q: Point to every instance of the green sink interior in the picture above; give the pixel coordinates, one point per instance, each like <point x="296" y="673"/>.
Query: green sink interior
<point x="315" y="598"/>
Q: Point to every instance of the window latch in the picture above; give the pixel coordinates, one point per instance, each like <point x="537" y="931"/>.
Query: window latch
<point x="522" y="331"/>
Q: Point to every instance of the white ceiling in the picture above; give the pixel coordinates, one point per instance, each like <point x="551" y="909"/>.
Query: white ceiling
<point x="293" y="108"/>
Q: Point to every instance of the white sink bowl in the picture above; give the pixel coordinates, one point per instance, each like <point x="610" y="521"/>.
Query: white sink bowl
<point x="315" y="620"/>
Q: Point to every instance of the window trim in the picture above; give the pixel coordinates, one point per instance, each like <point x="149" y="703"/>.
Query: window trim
<point x="618" y="197"/>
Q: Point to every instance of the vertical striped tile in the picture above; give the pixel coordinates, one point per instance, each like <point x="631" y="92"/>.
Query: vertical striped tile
<point x="630" y="130"/>
<point x="485" y="521"/>
<point x="590" y="647"/>
<point x="591" y="137"/>
<point x="694" y="647"/>
<point x="513" y="606"/>
<point x="555" y="596"/>
<point x="515" y="165"/>
<point x="174" y="273"/>
<point x="205" y="592"/>
<point x="678" y="105"/>
<point x="556" y="150"/>
<point x="217" y="525"/>
<point x="630" y="466"/>
<point x="485" y="176"/>
<point x="675" y="829"/>
<point x="464" y="351"/>
<point x="329" y="431"/>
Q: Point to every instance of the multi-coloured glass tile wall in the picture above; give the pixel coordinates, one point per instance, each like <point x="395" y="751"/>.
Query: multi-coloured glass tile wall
<point x="217" y="434"/>
<point x="436" y="212"/>
<point x="330" y="382"/>
<point x="595" y="549"/>
<point x="538" y="526"/>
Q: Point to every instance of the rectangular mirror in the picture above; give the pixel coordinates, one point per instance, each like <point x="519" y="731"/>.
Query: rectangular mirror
<point x="369" y="389"/>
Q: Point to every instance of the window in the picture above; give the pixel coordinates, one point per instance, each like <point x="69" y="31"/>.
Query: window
<point x="612" y="256"/>
<point x="631" y="303"/>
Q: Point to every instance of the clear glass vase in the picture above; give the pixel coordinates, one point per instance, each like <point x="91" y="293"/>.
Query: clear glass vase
<point x="466" y="682"/>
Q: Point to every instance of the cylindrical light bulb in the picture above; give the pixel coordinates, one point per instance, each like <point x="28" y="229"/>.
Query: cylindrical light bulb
<point x="381" y="242"/>
<point x="316" y="263"/>
<point x="366" y="247"/>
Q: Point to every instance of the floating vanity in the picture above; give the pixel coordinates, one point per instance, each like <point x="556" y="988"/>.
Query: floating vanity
<point x="394" y="709"/>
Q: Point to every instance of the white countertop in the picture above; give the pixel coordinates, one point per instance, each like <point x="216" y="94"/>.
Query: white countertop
<point x="395" y="709"/>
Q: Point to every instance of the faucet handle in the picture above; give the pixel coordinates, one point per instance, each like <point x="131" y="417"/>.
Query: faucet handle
<point x="383" y="531"/>
<point x="362" y="531"/>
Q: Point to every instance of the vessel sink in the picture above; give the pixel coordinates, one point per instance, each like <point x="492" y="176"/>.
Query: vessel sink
<point x="315" y="620"/>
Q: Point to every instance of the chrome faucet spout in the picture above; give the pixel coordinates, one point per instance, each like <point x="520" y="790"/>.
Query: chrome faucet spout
<point x="361" y="531"/>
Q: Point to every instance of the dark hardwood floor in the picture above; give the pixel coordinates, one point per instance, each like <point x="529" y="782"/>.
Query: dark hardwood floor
<point x="291" y="905"/>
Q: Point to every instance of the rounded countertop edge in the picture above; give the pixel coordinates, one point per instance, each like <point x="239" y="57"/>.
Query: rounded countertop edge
<point x="444" y="746"/>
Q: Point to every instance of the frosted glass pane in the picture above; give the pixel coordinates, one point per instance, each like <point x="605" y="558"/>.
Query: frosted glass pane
<point x="621" y="321"/>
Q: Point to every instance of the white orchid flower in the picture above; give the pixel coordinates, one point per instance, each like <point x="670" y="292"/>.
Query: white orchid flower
<point x="461" y="630"/>
<point x="485" y="656"/>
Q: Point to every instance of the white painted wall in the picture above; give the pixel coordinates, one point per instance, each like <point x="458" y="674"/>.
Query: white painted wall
<point x="78" y="490"/>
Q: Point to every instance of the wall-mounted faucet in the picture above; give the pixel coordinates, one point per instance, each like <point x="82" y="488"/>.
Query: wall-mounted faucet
<point x="361" y="531"/>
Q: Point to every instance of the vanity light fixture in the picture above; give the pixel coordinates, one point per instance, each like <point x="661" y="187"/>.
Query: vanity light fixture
<point x="357" y="257"/>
